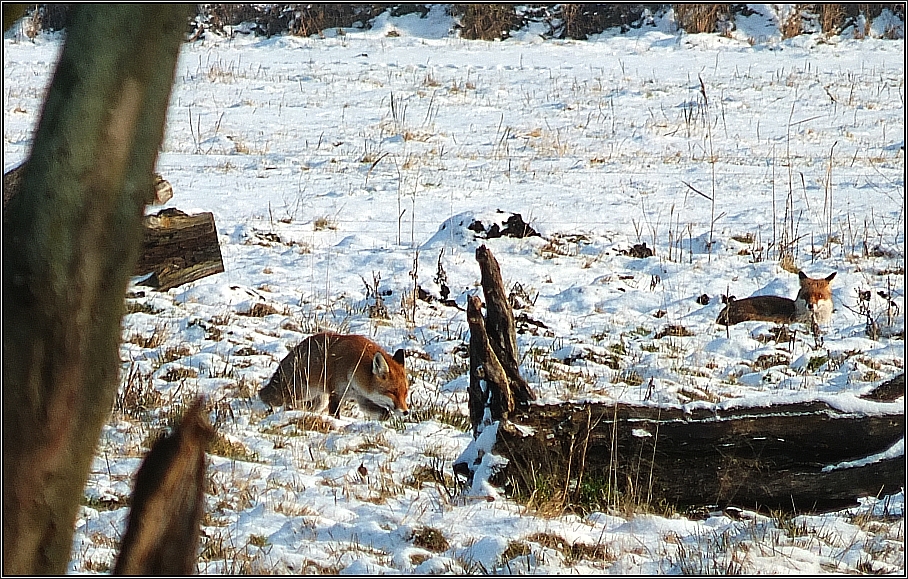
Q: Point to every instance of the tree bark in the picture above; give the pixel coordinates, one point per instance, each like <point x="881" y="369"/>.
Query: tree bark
<point x="162" y="192"/>
<point x="765" y="457"/>
<point x="70" y="243"/>
<point x="178" y="248"/>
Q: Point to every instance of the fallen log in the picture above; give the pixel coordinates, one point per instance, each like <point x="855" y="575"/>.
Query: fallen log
<point x="777" y="457"/>
<point x="178" y="248"/>
<point x="161" y="193"/>
<point x="889" y="390"/>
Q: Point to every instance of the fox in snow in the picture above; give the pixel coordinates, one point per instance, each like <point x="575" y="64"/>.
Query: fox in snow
<point x="327" y="368"/>
<point x="813" y="304"/>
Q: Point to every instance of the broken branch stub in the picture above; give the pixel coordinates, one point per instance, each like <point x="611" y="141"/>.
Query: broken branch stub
<point x="488" y="381"/>
<point x="162" y="536"/>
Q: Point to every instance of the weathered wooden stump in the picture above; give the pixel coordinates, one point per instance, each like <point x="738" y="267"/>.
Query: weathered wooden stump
<point x="167" y="503"/>
<point x="496" y="386"/>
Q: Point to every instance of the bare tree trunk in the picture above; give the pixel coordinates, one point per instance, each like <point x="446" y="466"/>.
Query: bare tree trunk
<point x="70" y="242"/>
<point x="496" y="386"/>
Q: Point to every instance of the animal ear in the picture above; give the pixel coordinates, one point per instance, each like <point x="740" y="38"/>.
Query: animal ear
<point x="380" y="366"/>
<point x="802" y="275"/>
<point x="830" y="276"/>
<point x="399" y="356"/>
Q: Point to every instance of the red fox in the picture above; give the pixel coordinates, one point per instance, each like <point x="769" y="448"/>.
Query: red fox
<point x="327" y="368"/>
<point x="813" y="304"/>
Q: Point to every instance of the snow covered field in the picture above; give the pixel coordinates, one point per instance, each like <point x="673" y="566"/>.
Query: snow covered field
<point x="338" y="165"/>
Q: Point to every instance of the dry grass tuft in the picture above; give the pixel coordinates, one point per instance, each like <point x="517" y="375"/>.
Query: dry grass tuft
<point x="701" y="18"/>
<point x="259" y="310"/>
<point x="431" y="539"/>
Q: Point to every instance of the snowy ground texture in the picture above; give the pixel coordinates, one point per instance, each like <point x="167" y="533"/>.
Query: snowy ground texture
<point x="330" y="163"/>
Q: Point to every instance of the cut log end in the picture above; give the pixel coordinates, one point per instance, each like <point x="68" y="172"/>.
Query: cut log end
<point x="178" y="248"/>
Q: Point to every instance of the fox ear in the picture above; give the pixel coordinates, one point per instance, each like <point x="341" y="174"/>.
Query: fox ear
<point x="380" y="366"/>
<point x="802" y="275"/>
<point x="830" y="276"/>
<point x="399" y="355"/>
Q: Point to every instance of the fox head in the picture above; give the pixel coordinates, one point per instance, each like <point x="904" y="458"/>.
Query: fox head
<point x="389" y="386"/>
<point x="816" y="295"/>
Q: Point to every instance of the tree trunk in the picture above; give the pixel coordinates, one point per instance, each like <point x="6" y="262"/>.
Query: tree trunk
<point x="161" y="193"/>
<point x="70" y="243"/>
<point x="178" y="248"/>
<point x="761" y="457"/>
<point x="496" y="386"/>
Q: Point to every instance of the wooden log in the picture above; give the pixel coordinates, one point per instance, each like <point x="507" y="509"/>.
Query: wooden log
<point x="162" y="535"/>
<point x="161" y="193"/>
<point x="891" y="389"/>
<point x="764" y="458"/>
<point x="178" y="248"/>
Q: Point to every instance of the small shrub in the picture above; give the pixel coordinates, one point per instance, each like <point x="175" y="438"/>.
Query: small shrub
<point x="674" y="330"/>
<point x="221" y="446"/>
<point x="174" y="353"/>
<point x="793" y="25"/>
<point x="701" y="18"/>
<point x="137" y="396"/>
<point x="153" y="340"/>
<point x="177" y="373"/>
<point x="816" y="362"/>
<point x="323" y="223"/>
<point x="746" y="238"/>
<point x="766" y="361"/>
<point x="137" y="307"/>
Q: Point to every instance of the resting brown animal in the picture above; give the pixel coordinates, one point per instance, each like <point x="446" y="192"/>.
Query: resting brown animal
<point x="813" y="303"/>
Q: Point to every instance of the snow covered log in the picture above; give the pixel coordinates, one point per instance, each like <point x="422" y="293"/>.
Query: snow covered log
<point x="807" y="456"/>
<point x="178" y="248"/>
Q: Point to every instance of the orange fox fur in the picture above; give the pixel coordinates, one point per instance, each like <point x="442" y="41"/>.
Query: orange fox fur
<point x="813" y="303"/>
<point x="327" y="368"/>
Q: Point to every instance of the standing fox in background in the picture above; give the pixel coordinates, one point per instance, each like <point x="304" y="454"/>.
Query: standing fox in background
<point x="813" y="304"/>
<point x="327" y="368"/>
